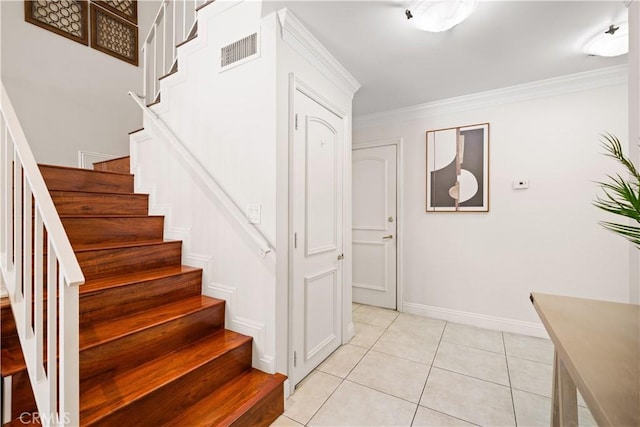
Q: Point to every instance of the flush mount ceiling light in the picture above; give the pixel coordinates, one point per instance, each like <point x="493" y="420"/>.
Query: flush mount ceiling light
<point x="612" y="42"/>
<point x="439" y="15"/>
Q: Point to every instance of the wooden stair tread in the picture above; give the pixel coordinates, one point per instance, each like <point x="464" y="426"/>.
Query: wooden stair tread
<point x="89" y="171"/>
<point x="67" y="178"/>
<point x="11" y="357"/>
<point x="171" y="72"/>
<point x="95" y="193"/>
<point x="122" y="279"/>
<point x="192" y="34"/>
<point x="125" y="279"/>
<point x="111" y="245"/>
<point x="107" y="217"/>
<point x="25" y="421"/>
<point x="100" y="333"/>
<point x="100" y="203"/>
<point x="205" y="4"/>
<point x="109" y="395"/>
<point x="240" y="394"/>
<point x="155" y="101"/>
<point x="112" y="160"/>
<point x="102" y="260"/>
<point x="120" y="165"/>
<point x="11" y="361"/>
<point x="89" y="229"/>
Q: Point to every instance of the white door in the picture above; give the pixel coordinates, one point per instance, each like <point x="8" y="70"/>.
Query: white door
<point x="375" y="226"/>
<point x="317" y="210"/>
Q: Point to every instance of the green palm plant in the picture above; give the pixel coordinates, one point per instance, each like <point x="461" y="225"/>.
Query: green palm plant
<point x="621" y="196"/>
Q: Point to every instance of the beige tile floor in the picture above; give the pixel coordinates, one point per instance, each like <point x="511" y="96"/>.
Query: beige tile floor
<point x="406" y="370"/>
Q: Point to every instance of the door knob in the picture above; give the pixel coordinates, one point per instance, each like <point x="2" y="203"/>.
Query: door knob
<point x="341" y="256"/>
<point x="390" y="236"/>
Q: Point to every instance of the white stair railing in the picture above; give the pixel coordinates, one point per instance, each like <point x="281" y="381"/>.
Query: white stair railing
<point x="208" y="180"/>
<point x="38" y="264"/>
<point x="174" y="23"/>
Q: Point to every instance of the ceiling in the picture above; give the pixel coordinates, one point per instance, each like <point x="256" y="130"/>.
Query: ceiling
<point x="503" y="43"/>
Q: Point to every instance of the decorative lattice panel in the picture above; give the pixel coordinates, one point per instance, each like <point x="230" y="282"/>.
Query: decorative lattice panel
<point x="127" y="9"/>
<point x="65" y="17"/>
<point x="113" y="35"/>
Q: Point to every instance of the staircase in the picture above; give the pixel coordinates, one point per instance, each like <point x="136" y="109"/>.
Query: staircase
<point x="153" y="350"/>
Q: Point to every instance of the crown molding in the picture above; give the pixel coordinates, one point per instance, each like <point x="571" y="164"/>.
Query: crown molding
<point x="296" y="35"/>
<point x="603" y="77"/>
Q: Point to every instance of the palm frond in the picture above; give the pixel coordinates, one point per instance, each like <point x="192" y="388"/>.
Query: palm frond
<point x="629" y="232"/>
<point x="621" y="196"/>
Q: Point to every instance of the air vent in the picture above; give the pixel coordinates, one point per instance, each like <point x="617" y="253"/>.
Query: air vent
<point x="239" y="50"/>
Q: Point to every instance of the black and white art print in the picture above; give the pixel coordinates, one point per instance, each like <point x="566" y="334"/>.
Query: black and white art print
<point x="458" y="169"/>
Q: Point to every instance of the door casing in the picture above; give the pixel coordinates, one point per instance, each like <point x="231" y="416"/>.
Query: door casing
<point x="298" y="85"/>
<point x="397" y="142"/>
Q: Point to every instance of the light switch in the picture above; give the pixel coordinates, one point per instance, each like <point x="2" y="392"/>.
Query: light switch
<point x="254" y="213"/>
<point x="520" y="184"/>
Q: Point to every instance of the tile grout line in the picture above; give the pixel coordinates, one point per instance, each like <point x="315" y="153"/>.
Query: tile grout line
<point x="530" y="360"/>
<point x="513" y="402"/>
<point x="472" y="347"/>
<point x="431" y="366"/>
<point x="342" y="380"/>
<point x="476" y="378"/>
<point x="424" y="387"/>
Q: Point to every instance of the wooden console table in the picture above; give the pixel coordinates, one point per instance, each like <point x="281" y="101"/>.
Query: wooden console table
<point x="597" y="350"/>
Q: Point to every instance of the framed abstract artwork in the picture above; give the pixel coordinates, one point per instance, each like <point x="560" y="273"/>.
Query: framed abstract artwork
<point x="457" y="172"/>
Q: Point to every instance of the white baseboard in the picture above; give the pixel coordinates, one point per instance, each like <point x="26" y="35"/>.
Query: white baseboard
<point x="3" y="288"/>
<point x="350" y="333"/>
<point x="479" y="320"/>
<point x="86" y="159"/>
<point x="287" y="389"/>
<point x="257" y="330"/>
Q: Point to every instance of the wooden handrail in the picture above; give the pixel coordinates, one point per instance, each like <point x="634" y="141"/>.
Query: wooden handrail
<point x="26" y="212"/>
<point x="209" y="181"/>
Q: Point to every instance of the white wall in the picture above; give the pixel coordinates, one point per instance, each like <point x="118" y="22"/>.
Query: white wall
<point x="479" y="268"/>
<point x="235" y="122"/>
<point x="68" y="96"/>
<point x="306" y="60"/>
<point x="634" y="131"/>
<point x="227" y="120"/>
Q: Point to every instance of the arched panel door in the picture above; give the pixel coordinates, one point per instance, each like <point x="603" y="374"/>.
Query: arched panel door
<point x="317" y="210"/>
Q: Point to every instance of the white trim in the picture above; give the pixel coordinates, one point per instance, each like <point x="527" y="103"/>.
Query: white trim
<point x="3" y="288"/>
<point x="302" y="41"/>
<point x="604" y="77"/>
<point x="350" y="333"/>
<point x="86" y="159"/>
<point x="399" y="209"/>
<point x="478" y="320"/>
<point x="7" y="390"/>
<point x="287" y="389"/>
<point x="261" y="360"/>
<point x="311" y="93"/>
<point x="346" y="331"/>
